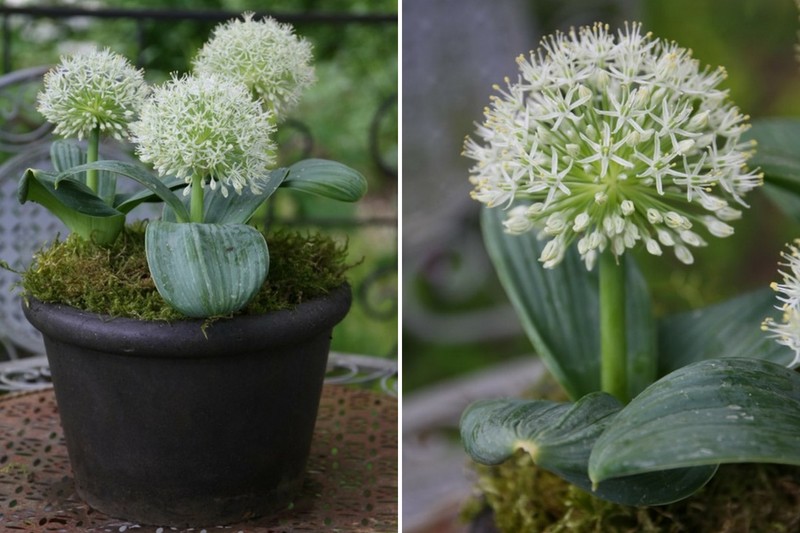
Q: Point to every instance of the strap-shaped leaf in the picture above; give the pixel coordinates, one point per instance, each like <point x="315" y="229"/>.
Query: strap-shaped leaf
<point x="711" y="412"/>
<point x="326" y="178"/>
<point x="559" y="310"/>
<point x="728" y="329"/>
<point x="559" y="437"/>
<point x="234" y="208"/>
<point x="206" y="270"/>
<point x="74" y="204"/>
<point x="127" y="202"/>
<point x="239" y="208"/>
<point x="641" y="330"/>
<point x="138" y="174"/>
<point x="67" y="154"/>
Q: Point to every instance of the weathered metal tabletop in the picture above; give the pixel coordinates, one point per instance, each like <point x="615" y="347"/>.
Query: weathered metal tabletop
<point x="351" y="480"/>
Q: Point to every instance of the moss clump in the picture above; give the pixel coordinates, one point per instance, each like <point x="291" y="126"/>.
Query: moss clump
<point x="115" y="280"/>
<point x="746" y="497"/>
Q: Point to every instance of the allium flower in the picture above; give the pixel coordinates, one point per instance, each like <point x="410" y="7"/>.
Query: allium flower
<point x="266" y="56"/>
<point x="97" y="89"/>
<point x="207" y="127"/>
<point x="612" y="140"/>
<point x="787" y="332"/>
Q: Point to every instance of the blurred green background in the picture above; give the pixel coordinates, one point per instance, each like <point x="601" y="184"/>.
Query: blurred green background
<point x="754" y="40"/>
<point x="355" y="96"/>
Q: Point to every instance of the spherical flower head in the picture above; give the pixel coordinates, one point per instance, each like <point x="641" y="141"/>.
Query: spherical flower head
<point x="208" y="127"/>
<point x="611" y="141"/>
<point x="265" y="55"/>
<point x="96" y="89"/>
<point x="787" y="332"/>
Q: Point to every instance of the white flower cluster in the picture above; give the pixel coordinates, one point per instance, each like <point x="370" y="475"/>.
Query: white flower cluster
<point x="98" y="89"/>
<point x="266" y="56"/>
<point x="787" y="332"/>
<point x="208" y="127"/>
<point x="612" y="140"/>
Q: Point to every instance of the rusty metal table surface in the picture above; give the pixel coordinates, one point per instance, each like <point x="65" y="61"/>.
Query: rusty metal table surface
<point x="350" y="485"/>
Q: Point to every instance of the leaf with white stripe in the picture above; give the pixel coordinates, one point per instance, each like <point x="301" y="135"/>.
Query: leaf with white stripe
<point x="206" y="270"/>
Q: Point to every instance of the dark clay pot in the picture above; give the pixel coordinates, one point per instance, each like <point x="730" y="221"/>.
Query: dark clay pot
<point x="176" y="424"/>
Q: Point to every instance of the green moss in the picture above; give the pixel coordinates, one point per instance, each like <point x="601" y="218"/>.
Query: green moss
<point x="115" y="280"/>
<point x="747" y="497"/>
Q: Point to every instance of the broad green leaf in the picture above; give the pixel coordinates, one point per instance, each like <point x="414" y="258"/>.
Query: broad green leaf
<point x="234" y="208"/>
<point x="778" y="156"/>
<point x="326" y="178"/>
<point x="641" y="330"/>
<point x="107" y="186"/>
<point x="138" y="174"/>
<point x="206" y="270"/>
<point x="778" y="151"/>
<point x="711" y="412"/>
<point x="789" y="202"/>
<point x="556" y="435"/>
<point x="559" y="437"/>
<point x="728" y="329"/>
<point x="239" y="208"/>
<point x="74" y="204"/>
<point x="559" y="309"/>
<point x="67" y="154"/>
<point x="127" y="202"/>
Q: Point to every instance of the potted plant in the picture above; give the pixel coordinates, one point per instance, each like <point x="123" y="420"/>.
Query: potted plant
<point x="186" y="398"/>
<point x="608" y="141"/>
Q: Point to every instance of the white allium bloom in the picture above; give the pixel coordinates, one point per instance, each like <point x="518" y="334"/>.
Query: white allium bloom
<point x="273" y="62"/>
<point x="787" y="332"/>
<point x="613" y="140"/>
<point x="208" y="127"/>
<point x="95" y="89"/>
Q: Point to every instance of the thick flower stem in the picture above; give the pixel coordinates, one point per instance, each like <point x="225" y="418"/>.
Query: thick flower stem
<point x="613" y="347"/>
<point x="92" y="150"/>
<point x="196" y="207"/>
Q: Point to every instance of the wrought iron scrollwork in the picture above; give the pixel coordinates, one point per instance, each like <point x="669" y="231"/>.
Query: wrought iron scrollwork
<point x="376" y="149"/>
<point x="33" y="373"/>
<point x="21" y="126"/>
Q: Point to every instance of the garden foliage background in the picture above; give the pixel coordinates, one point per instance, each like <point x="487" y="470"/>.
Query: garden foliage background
<point x="456" y="317"/>
<point x="357" y="76"/>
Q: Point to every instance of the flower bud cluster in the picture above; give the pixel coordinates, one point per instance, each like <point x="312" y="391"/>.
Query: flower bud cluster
<point x="208" y="127"/>
<point x="95" y="90"/>
<point x="215" y="125"/>
<point x="787" y="332"/>
<point x="273" y="62"/>
<point x="611" y="141"/>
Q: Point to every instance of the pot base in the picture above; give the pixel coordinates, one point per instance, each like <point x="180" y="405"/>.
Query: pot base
<point x="351" y="477"/>
<point x="211" y="510"/>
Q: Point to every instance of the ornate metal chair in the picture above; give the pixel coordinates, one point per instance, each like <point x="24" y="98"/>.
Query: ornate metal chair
<point x="25" y="139"/>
